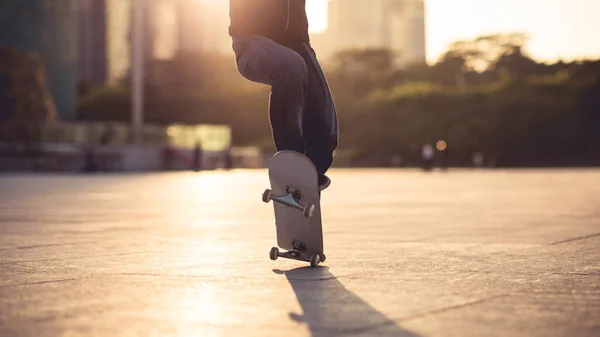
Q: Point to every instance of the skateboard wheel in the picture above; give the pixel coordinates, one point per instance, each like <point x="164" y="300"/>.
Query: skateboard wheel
<point x="309" y="209"/>
<point x="314" y="260"/>
<point x="323" y="257"/>
<point x="267" y="195"/>
<point x="274" y="254"/>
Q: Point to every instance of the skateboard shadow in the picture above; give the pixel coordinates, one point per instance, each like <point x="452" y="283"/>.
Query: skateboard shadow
<point x="331" y="309"/>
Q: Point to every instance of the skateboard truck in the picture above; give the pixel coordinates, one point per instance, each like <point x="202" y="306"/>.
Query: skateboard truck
<point x="297" y="253"/>
<point x="290" y="199"/>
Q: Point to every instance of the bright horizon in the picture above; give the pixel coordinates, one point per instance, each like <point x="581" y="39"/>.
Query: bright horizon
<point x="557" y="29"/>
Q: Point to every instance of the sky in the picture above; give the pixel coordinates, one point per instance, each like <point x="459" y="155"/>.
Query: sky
<point x="557" y="29"/>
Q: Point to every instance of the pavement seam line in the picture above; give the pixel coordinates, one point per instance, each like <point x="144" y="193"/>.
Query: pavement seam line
<point x="575" y="239"/>
<point x="389" y="322"/>
<point x="44" y="282"/>
<point x="450" y="308"/>
<point x="73" y="258"/>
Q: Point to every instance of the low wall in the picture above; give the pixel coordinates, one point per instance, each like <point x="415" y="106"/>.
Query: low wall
<point x="125" y="158"/>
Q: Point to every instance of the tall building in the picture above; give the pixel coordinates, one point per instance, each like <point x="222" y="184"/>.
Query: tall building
<point x="203" y="26"/>
<point x="171" y="26"/>
<point x="398" y="25"/>
<point x="91" y="39"/>
<point x="119" y="24"/>
<point x="105" y="32"/>
<point x="104" y="40"/>
<point x="395" y="24"/>
<point x="163" y="18"/>
<point x="189" y="16"/>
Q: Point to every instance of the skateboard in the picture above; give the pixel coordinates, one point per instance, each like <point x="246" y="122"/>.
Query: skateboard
<point x="297" y="207"/>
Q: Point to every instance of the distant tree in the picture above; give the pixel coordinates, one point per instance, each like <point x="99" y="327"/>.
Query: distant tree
<point x="484" y="95"/>
<point x="483" y="52"/>
<point x="25" y="98"/>
<point x="359" y="71"/>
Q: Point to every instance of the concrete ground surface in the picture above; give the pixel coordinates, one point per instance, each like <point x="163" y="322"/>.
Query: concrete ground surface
<point x="409" y="253"/>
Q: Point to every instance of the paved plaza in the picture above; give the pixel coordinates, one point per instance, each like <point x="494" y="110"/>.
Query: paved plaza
<point x="457" y="253"/>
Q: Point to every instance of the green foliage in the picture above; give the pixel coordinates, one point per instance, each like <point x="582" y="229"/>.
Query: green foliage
<point x="25" y="100"/>
<point x="484" y="95"/>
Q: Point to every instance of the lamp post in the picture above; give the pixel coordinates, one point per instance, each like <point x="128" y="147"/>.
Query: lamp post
<point x="137" y="66"/>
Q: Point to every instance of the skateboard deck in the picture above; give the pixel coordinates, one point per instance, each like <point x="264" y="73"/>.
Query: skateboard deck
<point x="297" y="207"/>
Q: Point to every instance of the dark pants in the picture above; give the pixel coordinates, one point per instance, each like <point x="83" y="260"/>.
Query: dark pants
<point x="301" y="110"/>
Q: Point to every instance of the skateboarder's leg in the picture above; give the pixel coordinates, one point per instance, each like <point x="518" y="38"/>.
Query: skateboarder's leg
<point x="320" y="124"/>
<point x="261" y="60"/>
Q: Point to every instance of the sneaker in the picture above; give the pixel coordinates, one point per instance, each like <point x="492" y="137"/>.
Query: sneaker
<point x="324" y="182"/>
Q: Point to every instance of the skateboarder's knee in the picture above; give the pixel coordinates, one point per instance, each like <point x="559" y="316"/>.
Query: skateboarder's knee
<point x="291" y="69"/>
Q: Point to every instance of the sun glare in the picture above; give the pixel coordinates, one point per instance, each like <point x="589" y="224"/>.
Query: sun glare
<point x="317" y="15"/>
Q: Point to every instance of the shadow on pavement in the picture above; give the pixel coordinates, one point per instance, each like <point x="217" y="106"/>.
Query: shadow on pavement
<point x="331" y="309"/>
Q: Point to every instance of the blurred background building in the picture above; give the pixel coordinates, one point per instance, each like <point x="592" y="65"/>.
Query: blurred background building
<point x="396" y="25"/>
<point x="55" y="47"/>
<point x="89" y="41"/>
<point x="171" y="27"/>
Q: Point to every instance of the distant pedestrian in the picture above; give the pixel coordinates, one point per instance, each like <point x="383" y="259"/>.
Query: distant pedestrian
<point x="198" y="157"/>
<point x="228" y="159"/>
<point x="478" y="159"/>
<point x="427" y="157"/>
